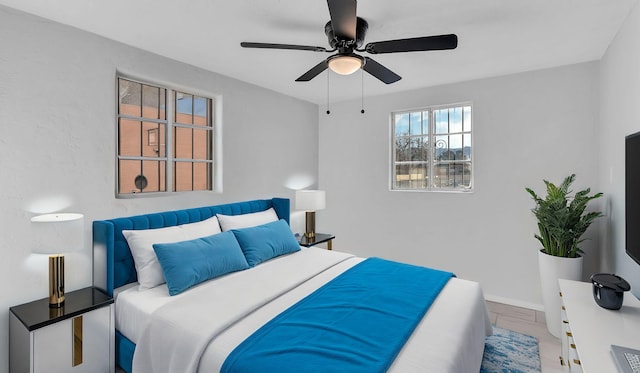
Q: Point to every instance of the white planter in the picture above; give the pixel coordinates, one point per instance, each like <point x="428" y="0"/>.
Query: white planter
<point x="551" y="269"/>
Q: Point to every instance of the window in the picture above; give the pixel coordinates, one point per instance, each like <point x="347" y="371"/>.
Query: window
<point x="432" y="149"/>
<point x="165" y="140"/>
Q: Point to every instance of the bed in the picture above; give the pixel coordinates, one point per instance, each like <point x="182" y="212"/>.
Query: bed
<point x="200" y="328"/>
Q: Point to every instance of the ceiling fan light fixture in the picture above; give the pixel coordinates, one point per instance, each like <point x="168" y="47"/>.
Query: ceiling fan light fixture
<point x="345" y="65"/>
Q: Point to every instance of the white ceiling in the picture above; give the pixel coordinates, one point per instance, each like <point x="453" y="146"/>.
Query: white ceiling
<point x="496" y="37"/>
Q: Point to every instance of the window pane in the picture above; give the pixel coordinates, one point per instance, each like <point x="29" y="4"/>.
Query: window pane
<point x="425" y="122"/>
<point x="163" y="104"/>
<point x="426" y="148"/>
<point x="455" y="147"/>
<point x="466" y="142"/>
<point x="200" y="115"/>
<point x="466" y="175"/>
<point x="153" y="139"/>
<point x="150" y="102"/>
<point x="415" y="123"/>
<point x="442" y="120"/>
<point x="402" y="176"/>
<point x="402" y="124"/>
<point x="403" y="152"/>
<point x="419" y="149"/>
<point x="455" y="175"/>
<point x="138" y="176"/>
<point x="418" y="176"/>
<point x="129" y="138"/>
<point x="184" y="108"/>
<point x="154" y="172"/>
<point x="442" y="148"/>
<point x="412" y="176"/>
<point x="127" y="172"/>
<point x="201" y="143"/>
<point x="130" y="97"/>
<point x="183" y="176"/>
<point x="162" y="141"/>
<point x="441" y="175"/>
<point x="455" y="119"/>
<point x="201" y="176"/>
<point x="183" y="145"/>
<point x="467" y="118"/>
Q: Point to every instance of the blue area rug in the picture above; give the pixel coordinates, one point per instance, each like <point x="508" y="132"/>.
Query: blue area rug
<point x="508" y="351"/>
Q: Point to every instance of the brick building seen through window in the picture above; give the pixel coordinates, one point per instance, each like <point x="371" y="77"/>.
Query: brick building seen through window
<point x="160" y="127"/>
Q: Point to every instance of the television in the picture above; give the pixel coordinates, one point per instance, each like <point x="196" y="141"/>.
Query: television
<point x="632" y="195"/>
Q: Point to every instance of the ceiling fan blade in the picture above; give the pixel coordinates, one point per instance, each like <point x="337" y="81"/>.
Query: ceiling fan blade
<point x="426" y="43"/>
<point x="317" y="69"/>
<point x="382" y="73"/>
<point x="343" y="18"/>
<point x="246" y="44"/>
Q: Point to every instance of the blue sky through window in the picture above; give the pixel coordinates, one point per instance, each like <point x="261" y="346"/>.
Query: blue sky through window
<point x="185" y="103"/>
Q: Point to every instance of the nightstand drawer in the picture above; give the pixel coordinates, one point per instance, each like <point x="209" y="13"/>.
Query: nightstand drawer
<point x="76" y="338"/>
<point x="74" y="345"/>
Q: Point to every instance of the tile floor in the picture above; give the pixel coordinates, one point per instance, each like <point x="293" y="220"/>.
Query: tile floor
<point x="531" y="322"/>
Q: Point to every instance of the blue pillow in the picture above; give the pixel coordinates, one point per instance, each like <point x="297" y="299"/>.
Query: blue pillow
<point x="188" y="263"/>
<point x="266" y="241"/>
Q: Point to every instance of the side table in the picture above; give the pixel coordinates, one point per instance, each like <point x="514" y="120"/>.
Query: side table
<point x="318" y="239"/>
<point x="77" y="337"/>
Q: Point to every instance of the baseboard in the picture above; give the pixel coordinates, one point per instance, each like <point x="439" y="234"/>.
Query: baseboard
<point x="514" y="302"/>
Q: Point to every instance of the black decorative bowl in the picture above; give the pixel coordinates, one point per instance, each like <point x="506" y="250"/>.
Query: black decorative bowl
<point x="608" y="290"/>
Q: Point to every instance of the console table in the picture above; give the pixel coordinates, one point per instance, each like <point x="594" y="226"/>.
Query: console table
<point x="590" y="330"/>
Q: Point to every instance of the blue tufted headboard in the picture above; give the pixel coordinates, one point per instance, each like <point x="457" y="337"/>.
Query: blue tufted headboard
<point x="112" y="261"/>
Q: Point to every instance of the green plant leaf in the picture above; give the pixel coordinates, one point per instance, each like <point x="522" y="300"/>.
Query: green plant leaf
<point x="561" y="217"/>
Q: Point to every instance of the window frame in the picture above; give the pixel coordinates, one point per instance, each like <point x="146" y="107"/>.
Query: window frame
<point x="432" y="136"/>
<point x="213" y="106"/>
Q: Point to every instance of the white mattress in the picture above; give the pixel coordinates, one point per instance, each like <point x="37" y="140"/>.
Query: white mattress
<point x="450" y="337"/>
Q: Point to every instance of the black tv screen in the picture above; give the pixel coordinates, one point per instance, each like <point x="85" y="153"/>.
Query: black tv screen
<point x="632" y="195"/>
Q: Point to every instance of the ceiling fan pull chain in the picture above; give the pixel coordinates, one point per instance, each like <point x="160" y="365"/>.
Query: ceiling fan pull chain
<point x="362" y="92"/>
<point x="328" y="111"/>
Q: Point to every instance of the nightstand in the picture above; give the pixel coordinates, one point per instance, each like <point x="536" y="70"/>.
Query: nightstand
<point x="78" y="337"/>
<point x="318" y="239"/>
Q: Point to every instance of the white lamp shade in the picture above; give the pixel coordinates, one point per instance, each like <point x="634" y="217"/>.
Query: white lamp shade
<point x="57" y="233"/>
<point x="310" y="200"/>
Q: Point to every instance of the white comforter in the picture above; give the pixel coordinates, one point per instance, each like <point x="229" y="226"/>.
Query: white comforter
<point x="196" y="330"/>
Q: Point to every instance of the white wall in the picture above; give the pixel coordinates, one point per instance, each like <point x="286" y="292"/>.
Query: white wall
<point x="527" y="127"/>
<point x="57" y="119"/>
<point x="619" y="116"/>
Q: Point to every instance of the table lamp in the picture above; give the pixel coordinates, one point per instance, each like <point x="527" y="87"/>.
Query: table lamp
<point x="56" y="234"/>
<point x="310" y="201"/>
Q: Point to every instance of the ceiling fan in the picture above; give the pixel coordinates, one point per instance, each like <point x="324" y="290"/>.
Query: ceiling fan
<point x="346" y="33"/>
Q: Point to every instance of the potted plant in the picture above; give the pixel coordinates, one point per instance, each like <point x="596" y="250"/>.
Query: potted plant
<point x="561" y="222"/>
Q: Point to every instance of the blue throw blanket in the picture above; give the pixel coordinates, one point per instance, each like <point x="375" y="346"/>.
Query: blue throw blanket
<point x="358" y="322"/>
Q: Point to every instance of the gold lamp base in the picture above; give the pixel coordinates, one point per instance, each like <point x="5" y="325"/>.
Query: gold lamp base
<point x="310" y="225"/>
<point x="56" y="281"/>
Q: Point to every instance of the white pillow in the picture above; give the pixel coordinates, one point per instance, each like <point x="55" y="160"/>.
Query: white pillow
<point x="141" y="243"/>
<point x="201" y="229"/>
<point x="229" y="222"/>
